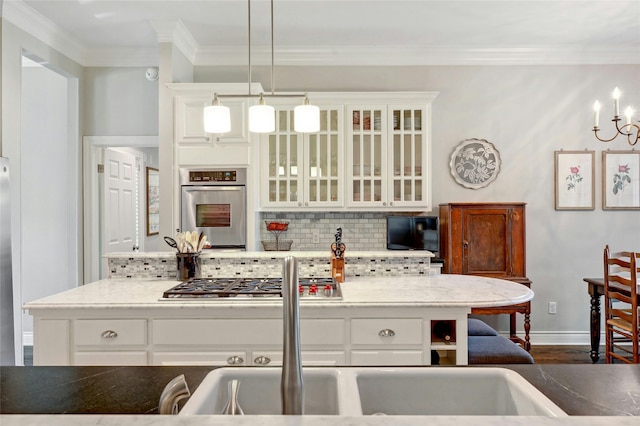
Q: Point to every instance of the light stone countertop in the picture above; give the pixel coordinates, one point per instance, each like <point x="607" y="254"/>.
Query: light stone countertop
<point x="440" y="291"/>
<point x="234" y="254"/>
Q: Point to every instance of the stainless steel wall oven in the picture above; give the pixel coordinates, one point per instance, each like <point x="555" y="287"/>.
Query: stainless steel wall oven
<point x="214" y="201"/>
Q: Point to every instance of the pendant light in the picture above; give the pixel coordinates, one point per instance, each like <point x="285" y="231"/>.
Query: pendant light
<point x="262" y="117"/>
<point x="217" y="118"/>
<point x="306" y="118"/>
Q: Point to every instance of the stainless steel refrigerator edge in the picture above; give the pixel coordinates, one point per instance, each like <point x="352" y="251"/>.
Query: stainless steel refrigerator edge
<point x="7" y="338"/>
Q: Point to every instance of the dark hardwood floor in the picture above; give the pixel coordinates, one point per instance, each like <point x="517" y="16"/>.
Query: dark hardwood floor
<point x="563" y="354"/>
<point x="542" y="354"/>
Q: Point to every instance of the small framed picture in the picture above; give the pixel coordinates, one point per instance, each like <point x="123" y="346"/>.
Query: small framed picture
<point x="575" y="180"/>
<point x="620" y="180"/>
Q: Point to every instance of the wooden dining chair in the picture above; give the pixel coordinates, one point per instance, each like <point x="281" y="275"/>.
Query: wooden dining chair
<point x="621" y="271"/>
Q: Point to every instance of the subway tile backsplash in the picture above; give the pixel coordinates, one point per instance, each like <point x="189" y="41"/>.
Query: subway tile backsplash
<point x="360" y="231"/>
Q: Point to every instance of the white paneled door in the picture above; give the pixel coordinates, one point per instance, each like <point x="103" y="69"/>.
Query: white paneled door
<point x="119" y="228"/>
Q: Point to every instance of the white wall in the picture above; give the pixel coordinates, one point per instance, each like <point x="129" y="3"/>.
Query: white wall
<point x="15" y="42"/>
<point x="45" y="183"/>
<point x="527" y="112"/>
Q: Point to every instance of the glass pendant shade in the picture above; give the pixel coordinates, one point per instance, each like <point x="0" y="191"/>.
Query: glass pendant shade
<point x="306" y="118"/>
<point x="217" y="119"/>
<point x="262" y="118"/>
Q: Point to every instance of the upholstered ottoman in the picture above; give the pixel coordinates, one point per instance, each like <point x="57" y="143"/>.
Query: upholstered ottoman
<point x="486" y="346"/>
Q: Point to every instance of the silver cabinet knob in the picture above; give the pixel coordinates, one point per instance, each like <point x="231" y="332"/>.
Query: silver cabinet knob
<point x="235" y="360"/>
<point x="262" y="360"/>
<point x="384" y="204"/>
<point x="391" y="203"/>
<point x="300" y="204"/>
<point x="306" y="204"/>
<point x="386" y="333"/>
<point x="109" y="334"/>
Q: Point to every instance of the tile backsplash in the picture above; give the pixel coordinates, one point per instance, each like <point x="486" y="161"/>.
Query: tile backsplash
<point x="360" y="231"/>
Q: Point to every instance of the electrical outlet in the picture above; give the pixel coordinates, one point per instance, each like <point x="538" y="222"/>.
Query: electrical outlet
<point x="553" y="307"/>
<point x="316" y="236"/>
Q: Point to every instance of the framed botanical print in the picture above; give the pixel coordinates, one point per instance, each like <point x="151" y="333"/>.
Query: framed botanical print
<point x="153" y="201"/>
<point x="621" y="180"/>
<point x="575" y="180"/>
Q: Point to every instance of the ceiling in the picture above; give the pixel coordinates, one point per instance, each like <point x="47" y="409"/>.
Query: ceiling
<point x="338" y="32"/>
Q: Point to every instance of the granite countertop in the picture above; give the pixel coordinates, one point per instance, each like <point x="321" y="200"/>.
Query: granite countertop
<point x="446" y="290"/>
<point x="580" y="390"/>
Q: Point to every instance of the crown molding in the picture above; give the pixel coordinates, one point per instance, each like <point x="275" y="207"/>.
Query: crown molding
<point x="175" y="32"/>
<point x="30" y="21"/>
<point x="27" y="19"/>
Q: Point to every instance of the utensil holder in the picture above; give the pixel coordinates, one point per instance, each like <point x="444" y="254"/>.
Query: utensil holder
<point x="189" y="266"/>
<point x="337" y="269"/>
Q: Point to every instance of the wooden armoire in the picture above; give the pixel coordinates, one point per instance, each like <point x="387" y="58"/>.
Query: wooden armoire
<point x="487" y="239"/>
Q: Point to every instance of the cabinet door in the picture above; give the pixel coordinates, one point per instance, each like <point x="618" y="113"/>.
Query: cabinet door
<point x="324" y="170"/>
<point x="304" y="170"/>
<point x="283" y="180"/>
<point x="407" y="151"/>
<point x="189" y="121"/>
<point x="366" y="156"/>
<point x="486" y="242"/>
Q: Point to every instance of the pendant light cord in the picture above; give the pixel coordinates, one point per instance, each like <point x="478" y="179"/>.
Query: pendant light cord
<point x="273" y="88"/>
<point x="249" y="40"/>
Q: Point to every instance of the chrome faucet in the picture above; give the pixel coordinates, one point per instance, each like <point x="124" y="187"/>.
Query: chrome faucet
<point x="291" y="386"/>
<point x="173" y="392"/>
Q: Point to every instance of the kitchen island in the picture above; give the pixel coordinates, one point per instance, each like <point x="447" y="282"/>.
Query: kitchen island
<point x="378" y="321"/>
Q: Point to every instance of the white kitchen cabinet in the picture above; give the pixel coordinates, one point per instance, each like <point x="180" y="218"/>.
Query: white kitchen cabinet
<point x="386" y="357"/>
<point x="389" y="153"/>
<point x="195" y="147"/>
<point x="303" y="171"/>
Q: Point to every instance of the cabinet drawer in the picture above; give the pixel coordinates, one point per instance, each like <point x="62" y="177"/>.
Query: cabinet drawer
<point x="383" y="331"/>
<point x="218" y="358"/>
<point x="386" y="357"/>
<point x="309" y="358"/>
<point x="111" y="358"/>
<point x="217" y="332"/>
<point x="110" y="332"/>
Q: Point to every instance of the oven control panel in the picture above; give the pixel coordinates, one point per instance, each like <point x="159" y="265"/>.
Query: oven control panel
<point x="212" y="176"/>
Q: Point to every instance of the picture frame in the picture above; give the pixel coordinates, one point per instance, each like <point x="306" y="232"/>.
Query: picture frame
<point x="574" y="180"/>
<point x="475" y="163"/>
<point x="153" y="201"/>
<point x="621" y="180"/>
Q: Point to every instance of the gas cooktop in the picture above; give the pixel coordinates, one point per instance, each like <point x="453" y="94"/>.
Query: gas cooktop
<point x="254" y="288"/>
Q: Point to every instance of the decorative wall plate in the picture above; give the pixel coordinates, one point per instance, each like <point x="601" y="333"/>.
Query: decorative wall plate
<point x="475" y="163"/>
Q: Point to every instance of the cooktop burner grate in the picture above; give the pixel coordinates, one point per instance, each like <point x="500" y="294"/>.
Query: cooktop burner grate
<point x="212" y="288"/>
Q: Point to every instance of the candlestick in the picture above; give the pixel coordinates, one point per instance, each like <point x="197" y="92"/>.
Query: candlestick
<point x="616" y="102"/>
<point x="596" y="110"/>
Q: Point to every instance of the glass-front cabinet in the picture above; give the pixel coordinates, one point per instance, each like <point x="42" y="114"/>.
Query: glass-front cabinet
<point x="304" y="170"/>
<point x="388" y="148"/>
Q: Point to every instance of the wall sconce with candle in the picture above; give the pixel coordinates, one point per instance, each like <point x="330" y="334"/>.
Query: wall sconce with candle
<point x="626" y="130"/>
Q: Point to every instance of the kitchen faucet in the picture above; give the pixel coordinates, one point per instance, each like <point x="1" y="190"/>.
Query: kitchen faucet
<point x="292" y="386"/>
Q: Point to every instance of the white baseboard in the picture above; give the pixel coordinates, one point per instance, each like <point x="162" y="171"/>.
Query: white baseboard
<point x="558" y="337"/>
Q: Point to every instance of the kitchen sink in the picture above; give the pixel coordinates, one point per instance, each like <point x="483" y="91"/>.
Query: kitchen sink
<point x="357" y="391"/>
<point x="450" y="392"/>
<point x="259" y="391"/>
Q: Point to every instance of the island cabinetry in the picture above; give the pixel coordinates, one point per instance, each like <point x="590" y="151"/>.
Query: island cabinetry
<point x="113" y="341"/>
<point x="244" y="342"/>
<point x="487" y="239"/>
<point x="304" y="170"/>
<point x="388" y="153"/>
<point x="387" y="341"/>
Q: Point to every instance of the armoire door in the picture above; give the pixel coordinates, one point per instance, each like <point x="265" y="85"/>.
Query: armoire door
<point x="487" y="245"/>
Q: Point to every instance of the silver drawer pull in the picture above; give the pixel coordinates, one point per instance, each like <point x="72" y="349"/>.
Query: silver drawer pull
<point x="235" y="360"/>
<point x="386" y="333"/>
<point x="262" y="360"/>
<point x="109" y="334"/>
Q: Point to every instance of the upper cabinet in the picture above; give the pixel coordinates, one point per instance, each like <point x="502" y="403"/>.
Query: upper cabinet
<point x="195" y="147"/>
<point x="372" y="153"/>
<point x="388" y="148"/>
<point x="303" y="170"/>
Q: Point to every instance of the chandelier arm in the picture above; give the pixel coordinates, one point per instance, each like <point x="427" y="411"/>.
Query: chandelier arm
<point x="595" y="132"/>
<point x="633" y="142"/>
